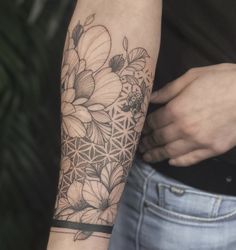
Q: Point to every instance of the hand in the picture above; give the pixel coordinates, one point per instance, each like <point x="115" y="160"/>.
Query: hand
<point x="198" y="119"/>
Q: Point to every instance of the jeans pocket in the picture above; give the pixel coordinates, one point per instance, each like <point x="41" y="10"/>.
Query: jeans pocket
<point x="184" y="218"/>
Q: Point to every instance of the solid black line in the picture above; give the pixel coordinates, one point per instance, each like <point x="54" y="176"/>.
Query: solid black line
<point x="82" y="226"/>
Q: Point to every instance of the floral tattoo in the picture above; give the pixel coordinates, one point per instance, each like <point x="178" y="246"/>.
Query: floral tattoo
<point x="104" y="103"/>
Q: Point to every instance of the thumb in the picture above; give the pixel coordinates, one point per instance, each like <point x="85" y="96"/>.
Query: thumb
<point x="172" y="89"/>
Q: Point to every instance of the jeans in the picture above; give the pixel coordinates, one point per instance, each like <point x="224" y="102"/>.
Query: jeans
<point x="159" y="213"/>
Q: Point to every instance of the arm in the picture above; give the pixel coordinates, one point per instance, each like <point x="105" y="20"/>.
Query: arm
<point x="107" y="73"/>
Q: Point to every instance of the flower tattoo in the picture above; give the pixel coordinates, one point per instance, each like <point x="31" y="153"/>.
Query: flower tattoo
<point x="104" y="103"/>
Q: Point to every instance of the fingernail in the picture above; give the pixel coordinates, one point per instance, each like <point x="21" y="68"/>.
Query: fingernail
<point x="147" y="157"/>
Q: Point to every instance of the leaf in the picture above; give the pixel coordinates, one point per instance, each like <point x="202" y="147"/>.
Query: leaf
<point x="132" y="80"/>
<point x="99" y="133"/>
<point x="125" y="43"/>
<point x="89" y="20"/>
<point x="117" y="63"/>
<point x="93" y="171"/>
<point x="77" y="33"/>
<point x="137" y="59"/>
<point x="137" y="53"/>
<point x="82" y="235"/>
<point x="73" y="126"/>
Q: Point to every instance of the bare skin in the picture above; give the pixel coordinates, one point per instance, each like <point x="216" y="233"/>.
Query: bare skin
<point x="198" y="119"/>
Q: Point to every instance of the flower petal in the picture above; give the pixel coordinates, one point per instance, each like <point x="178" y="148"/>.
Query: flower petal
<point x="74" y="194"/>
<point x="112" y="174"/>
<point x="61" y="206"/>
<point x="115" y="194"/>
<point x="82" y="113"/>
<point x="108" y="216"/>
<point x="107" y="88"/>
<point x="76" y="216"/>
<point x="72" y="59"/>
<point x="101" y="116"/>
<point x="84" y="84"/>
<point x="94" y="47"/>
<point x="80" y="101"/>
<point x="71" y="80"/>
<point x="73" y="126"/>
<point x="65" y="164"/>
<point x="67" y="108"/>
<point x="96" y="107"/>
<point x="68" y="95"/>
<point x="64" y="72"/>
<point x="94" y="193"/>
<point x="91" y="216"/>
<point x="65" y="214"/>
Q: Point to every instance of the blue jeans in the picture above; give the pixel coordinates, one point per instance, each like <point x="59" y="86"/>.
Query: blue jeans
<point x="159" y="213"/>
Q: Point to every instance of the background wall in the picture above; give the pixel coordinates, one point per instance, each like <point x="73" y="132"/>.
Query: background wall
<point x="32" y="35"/>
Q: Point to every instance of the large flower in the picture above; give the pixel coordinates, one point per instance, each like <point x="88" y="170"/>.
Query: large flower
<point x="83" y="105"/>
<point x="96" y="200"/>
<point x="88" y="89"/>
<point x="74" y="116"/>
<point x="72" y="207"/>
<point x="103" y="204"/>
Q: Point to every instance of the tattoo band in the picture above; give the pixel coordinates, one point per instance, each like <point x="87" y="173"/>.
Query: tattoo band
<point x="82" y="226"/>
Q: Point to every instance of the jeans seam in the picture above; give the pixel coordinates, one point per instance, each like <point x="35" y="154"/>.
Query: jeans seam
<point x="187" y="218"/>
<point x="216" y="207"/>
<point x="142" y="209"/>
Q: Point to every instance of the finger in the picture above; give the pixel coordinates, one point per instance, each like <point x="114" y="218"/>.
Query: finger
<point x="173" y="88"/>
<point x="159" y="137"/>
<point x="156" y="155"/>
<point x="158" y="119"/>
<point x="192" y="158"/>
<point x="171" y="150"/>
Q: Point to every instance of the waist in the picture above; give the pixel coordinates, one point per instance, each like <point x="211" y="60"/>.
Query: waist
<point x="170" y="195"/>
<point x="213" y="175"/>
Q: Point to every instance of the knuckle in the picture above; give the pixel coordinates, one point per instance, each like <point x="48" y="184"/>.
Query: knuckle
<point x="167" y="151"/>
<point x="158" y="137"/>
<point x="172" y="109"/>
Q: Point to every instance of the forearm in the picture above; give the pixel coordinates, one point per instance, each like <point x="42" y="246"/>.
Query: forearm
<point x="107" y="76"/>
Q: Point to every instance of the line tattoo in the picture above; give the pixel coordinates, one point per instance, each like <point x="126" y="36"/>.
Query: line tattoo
<point x="104" y="103"/>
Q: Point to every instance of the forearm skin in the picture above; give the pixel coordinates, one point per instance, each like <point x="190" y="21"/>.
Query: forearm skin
<point x="107" y="75"/>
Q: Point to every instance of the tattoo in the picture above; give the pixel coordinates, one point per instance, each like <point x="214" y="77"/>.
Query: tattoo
<point x="104" y="103"/>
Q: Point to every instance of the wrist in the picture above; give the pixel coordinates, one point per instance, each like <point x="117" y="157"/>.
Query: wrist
<point x="65" y="240"/>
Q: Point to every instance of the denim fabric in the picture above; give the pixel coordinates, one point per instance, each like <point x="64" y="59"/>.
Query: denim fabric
<point x="159" y="213"/>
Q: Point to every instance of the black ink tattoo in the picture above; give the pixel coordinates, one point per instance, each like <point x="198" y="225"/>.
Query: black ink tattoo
<point x="104" y="102"/>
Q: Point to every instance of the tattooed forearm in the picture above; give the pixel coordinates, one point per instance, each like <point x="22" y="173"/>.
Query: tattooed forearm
<point x="104" y="103"/>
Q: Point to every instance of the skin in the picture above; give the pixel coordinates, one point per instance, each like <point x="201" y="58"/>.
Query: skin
<point x="197" y="120"/>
